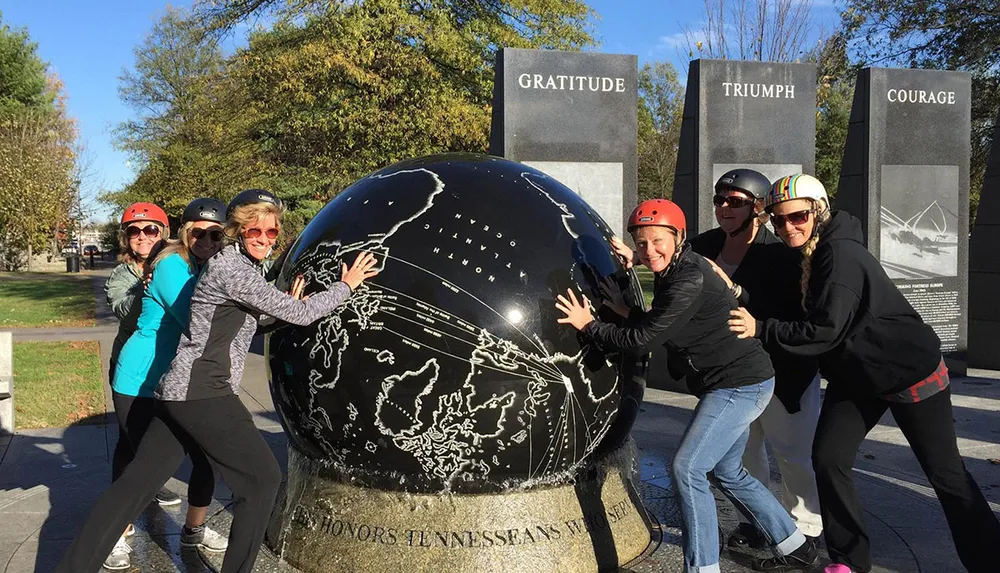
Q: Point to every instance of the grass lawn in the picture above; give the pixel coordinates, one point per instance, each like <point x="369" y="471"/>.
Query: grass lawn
<point x="646" y="280"/>
<point x="57" y="384"/>
<point x="50" y="301"/>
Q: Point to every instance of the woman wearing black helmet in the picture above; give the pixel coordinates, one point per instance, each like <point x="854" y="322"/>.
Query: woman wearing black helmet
<point x="197" y="403"/>
<point x="147" y="354"/>
<point x="878" y="355"/>
<point x="733" y="381"/>
<point x="765" y="274"/>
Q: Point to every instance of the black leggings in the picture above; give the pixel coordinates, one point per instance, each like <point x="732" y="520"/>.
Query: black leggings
<point x="135" y="413"/>
<point x="221" y="427"/>
<point x="929" y="428"/>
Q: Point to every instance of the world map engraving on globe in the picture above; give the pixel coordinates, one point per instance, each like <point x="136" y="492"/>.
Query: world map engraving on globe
<point x="448" y="370"/>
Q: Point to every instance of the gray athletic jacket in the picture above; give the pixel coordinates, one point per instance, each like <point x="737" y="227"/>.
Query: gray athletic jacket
<point x="228" y="301"/>
<point x="124" y="290"/>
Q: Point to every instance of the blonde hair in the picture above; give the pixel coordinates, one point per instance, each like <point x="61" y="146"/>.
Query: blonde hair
<point x="126" y="254"/>
<point x="810" y="247"/>
<point x="244" y="215"/>
<point x="181" y="246"/>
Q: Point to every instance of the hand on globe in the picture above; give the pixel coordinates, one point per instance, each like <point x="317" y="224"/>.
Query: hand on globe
<point x="362" y="269"/>
<point x="298" y="285"/>
<point x="742" y="323"/>
<point x="623" y="252"/>
<point x="577" y="311"/>
<point x="612" y="296"/>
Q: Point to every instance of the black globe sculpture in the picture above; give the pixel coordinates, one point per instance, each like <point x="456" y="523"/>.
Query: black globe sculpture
<point x="448" y="371"/>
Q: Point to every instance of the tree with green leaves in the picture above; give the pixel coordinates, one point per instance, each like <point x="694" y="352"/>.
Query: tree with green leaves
<point x="37" y="150"/>
<point x="23" y="83"/>
<point x="330" y="91"/>
<point x="172" y="138"/>
<point x="938" y="34"/>
<point x="835" y="78"/>
<point x="661" y="108"/>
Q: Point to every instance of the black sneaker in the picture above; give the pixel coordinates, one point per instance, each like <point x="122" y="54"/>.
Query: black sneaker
<point x="746" y="535"/>
<point x="167" y="497"/>
<point x="805" y="557"/>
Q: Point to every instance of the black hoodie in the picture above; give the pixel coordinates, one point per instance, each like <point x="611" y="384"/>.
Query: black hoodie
<point x="689" y="316"/>
<point x="866" y="334"/>
<point x="770" y="274"/>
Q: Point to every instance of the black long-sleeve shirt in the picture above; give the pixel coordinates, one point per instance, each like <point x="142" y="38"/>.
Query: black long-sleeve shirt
<point x="689" y="315"/>
<point x="770" y="275"/>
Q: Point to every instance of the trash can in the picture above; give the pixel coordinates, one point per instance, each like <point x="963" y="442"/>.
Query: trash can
<point x="73" y="263"/>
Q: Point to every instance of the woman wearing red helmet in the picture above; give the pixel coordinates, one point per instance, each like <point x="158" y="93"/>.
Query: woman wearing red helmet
<point x="733" y="381"/>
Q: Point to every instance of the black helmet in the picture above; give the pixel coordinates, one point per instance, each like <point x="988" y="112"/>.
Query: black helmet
<point x="746" y="180"/>
<point x="254" y="196"/>
<point x="205" y="209"/>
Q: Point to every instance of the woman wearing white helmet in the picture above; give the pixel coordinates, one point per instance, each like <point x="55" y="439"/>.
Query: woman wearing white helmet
<point x="877" y="355"/>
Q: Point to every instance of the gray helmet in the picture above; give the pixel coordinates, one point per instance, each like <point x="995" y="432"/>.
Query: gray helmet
<point x="748" y="181"/>
<point x="253" y="196"/>
<point x="205" y="209"/>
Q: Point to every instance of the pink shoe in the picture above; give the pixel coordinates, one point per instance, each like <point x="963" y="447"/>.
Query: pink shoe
<point x="837" y="568"/>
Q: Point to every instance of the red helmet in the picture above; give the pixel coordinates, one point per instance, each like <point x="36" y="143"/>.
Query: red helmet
<point x="660" y="213"/>
<point x="144" y="212"/>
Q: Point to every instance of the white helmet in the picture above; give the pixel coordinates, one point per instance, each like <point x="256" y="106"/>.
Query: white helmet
<point x="798" y="186"/>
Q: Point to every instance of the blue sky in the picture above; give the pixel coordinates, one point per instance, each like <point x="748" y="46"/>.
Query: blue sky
<point x="89" y="44"/>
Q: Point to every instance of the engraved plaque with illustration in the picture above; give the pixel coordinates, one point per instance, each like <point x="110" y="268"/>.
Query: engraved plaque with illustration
<point x="919" y="242"/>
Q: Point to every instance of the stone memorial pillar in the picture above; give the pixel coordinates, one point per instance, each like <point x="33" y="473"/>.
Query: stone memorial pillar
<point x="984" y="269"/>
<point x="905" y="174"/>
<point x="755" y="115"/>
<point x="572" y="115"/>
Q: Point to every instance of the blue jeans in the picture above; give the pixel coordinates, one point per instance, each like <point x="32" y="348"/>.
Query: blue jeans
<point x="714" y="442"/>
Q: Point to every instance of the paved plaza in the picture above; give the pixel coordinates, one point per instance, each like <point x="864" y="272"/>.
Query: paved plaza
<point x="50" y="478"/>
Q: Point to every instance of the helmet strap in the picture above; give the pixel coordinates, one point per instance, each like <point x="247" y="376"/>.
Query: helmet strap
<point x="746" y="224"/>
<point x="820" y="216"/>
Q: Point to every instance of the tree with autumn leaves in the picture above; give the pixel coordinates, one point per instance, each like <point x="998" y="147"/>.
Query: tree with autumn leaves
<point x="37" y="151"/>
<point x="326" y="93"/>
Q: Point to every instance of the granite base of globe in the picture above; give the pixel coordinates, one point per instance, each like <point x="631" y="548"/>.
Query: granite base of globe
<point x="591" y="523"/>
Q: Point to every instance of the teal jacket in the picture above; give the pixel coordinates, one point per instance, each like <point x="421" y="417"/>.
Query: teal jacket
<point x="166" y="308"/>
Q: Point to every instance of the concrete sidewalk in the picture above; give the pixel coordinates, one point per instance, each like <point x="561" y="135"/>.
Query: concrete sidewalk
<point x="49" y="479"/>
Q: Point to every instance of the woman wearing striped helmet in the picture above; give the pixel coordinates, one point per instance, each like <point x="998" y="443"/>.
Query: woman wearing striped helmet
<point x="877" y="354"/>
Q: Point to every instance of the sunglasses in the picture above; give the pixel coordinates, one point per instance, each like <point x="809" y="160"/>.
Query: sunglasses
<point x="271" y="233"/>
<point x="796" y="218"/>
<point x="149" y="230"/>
<point x="213" y="234"/>
<point x="734" y="202"/>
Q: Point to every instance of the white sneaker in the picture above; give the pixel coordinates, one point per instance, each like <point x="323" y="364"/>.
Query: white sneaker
<point x="205" y="538"/>
<point x="119" y="557"/>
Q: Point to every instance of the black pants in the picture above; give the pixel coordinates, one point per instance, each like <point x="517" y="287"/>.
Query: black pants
<point x="929" y="428"/>
<point x="223" y="429"/>
<point x="135" y="413"/>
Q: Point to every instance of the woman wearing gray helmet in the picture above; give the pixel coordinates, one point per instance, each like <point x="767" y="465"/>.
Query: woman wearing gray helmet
<point x="147" y="354"/>
<point x="197" y="402"/>
<point x="765" y="276"/>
